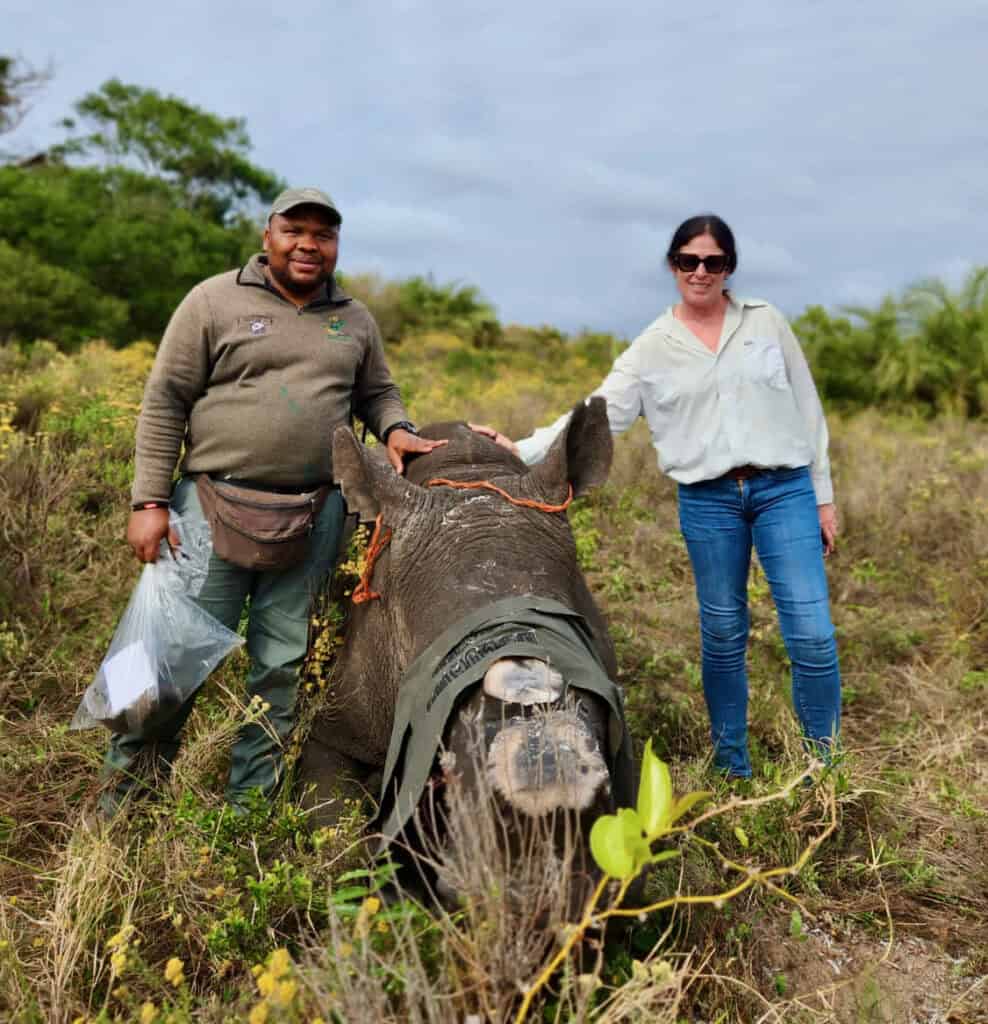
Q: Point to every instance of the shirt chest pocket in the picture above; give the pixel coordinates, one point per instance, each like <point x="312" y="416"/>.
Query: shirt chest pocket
<point x="764" y="363"/>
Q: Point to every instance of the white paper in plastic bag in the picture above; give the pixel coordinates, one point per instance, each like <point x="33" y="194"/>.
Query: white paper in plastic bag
<point x="164" y="646"/>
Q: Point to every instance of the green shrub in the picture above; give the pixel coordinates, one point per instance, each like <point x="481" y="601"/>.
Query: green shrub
<point x="38" y="300"/>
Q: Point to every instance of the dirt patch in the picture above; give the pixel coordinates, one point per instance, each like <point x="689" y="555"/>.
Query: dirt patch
<point x="854" y="979"/>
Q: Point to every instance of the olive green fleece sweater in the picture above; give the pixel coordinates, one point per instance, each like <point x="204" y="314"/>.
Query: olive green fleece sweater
<point x="254" y="387"/>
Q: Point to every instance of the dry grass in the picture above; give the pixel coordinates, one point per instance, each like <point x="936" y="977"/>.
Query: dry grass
<point x="896" y="898"/>
<point x="510" y="912"/>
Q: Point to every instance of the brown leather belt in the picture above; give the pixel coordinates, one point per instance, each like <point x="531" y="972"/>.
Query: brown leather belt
<point x="745" y="472"/>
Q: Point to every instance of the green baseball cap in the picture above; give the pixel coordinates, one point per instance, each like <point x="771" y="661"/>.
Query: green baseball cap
<point x="293" y="197"/>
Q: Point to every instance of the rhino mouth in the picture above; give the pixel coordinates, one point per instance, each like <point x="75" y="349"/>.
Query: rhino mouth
<point x="547" y="763"/>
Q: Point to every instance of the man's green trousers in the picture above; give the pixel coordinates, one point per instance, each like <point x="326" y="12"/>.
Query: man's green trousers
<point x="278" y="606"/>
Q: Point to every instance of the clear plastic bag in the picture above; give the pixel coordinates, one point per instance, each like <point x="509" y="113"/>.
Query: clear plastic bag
<point x="165" y="645"/>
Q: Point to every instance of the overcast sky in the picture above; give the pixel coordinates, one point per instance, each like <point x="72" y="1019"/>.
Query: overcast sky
<point x="545" y="152"/>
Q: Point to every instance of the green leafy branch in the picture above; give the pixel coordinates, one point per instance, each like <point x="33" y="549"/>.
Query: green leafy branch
<point x="622" y="845"/>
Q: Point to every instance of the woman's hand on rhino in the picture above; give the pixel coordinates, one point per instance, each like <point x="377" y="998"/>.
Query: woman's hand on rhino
<point x="146" y="529"/>
<point x="502" y="439"/>
<point x="401" y="442"/>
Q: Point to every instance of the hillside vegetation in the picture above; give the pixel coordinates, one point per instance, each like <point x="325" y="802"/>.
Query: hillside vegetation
<point x="884" y="922"/>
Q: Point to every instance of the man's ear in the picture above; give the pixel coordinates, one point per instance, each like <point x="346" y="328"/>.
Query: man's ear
<point x="368" y="480"/>
<point x="581" y="455"/>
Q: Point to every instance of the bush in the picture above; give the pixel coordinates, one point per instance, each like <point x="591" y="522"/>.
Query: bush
<point x="116" y="233"/>
<point x="926" y="351"/>
<point x="38" y="300"/>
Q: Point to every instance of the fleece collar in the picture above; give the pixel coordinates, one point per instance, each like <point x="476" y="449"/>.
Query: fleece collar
<point x="252" y="275"/>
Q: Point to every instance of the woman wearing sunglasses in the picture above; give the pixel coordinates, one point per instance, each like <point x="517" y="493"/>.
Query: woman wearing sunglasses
<point x="737" y="423"/>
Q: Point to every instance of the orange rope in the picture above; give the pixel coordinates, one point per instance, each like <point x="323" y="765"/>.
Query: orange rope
<point x="362" y="591"/>
<point x="487" y="486"/>
<point x="379" y="541"/>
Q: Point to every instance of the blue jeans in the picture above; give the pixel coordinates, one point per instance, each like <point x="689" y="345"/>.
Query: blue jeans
<point x="720" y="520"/>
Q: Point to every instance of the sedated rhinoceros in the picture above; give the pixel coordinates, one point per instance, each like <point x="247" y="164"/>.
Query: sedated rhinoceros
<point x="484" y="635"/>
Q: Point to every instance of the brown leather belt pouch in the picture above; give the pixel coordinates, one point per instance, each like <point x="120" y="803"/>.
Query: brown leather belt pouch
<point x="258" y="529"/>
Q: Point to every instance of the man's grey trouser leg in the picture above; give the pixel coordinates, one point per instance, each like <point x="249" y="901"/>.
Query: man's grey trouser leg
<point x="277" y="636"/>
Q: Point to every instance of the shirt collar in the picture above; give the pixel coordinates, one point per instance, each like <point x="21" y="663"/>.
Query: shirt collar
<point x="732" y="318"/>
<point x="741" y="304"/>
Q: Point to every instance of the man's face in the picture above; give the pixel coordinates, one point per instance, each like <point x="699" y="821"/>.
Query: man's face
<point x="302" y="247"/>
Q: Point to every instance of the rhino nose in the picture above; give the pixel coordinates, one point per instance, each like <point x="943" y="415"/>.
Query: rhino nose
<point x="547" y="763"/>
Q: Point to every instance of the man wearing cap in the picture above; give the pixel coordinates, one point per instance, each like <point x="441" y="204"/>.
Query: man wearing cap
<point x="256" y="369"/>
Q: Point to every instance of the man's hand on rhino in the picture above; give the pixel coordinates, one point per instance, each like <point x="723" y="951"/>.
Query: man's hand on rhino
<point x="401" y="442"/>
<point x="146" y="528"/>
<point x="498" y="438"/>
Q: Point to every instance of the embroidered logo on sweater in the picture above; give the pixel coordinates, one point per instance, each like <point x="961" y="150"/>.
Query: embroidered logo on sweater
<point x="334" y="329"/>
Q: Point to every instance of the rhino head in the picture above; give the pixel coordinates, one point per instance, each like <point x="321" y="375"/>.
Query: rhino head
<point x="452" y="550"/>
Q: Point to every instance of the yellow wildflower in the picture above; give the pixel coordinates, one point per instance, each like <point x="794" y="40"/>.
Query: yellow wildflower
<point x="148" y="1013"/>
<point x="174" y="971"/>
<point x="121" y="938"/>
<point x="280" y="962"/>
<point x="259" y="1014"/>
<point x="286" y="992"/>
<point x="266" y="983"/>
<point x="118" y="962"/>
<point x="368" y="909"/>
<point x="257" y="969"/>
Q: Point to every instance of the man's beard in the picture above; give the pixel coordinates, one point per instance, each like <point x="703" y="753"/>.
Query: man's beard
<point x="298" y="288"/>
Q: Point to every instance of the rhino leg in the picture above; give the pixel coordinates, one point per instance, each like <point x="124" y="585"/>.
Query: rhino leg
<point x="327" y="779"/>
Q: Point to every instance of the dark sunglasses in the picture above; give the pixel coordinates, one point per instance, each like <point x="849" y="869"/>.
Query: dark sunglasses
<point x="687" y="262"/>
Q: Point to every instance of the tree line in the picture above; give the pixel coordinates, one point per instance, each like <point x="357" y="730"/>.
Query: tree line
<point x="103" y="233"/>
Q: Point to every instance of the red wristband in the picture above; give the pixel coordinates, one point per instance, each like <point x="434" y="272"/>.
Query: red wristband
<point x="142" y="506"/>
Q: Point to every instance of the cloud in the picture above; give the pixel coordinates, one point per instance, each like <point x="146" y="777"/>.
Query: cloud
<point x="388" y="226"/>
<point x="769" y="262"/>
<point x="456" y="167"/>
<point x="605" y="192"/>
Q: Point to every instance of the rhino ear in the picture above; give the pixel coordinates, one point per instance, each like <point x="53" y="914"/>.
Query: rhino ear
<point x="582" y="453"/>
<point x="368" y="480"/>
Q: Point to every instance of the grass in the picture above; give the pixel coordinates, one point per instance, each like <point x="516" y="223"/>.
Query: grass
<point x="891" y="907"/>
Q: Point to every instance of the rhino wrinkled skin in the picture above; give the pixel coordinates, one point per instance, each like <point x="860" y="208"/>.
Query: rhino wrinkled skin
<point x="453" y="552"/>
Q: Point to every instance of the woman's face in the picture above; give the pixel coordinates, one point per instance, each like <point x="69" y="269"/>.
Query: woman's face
<point x="699" y="287"/>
